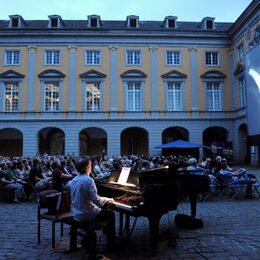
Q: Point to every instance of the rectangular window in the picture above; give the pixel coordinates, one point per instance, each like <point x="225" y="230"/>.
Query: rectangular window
<point x="12" y="57"/>
<point x="173" y="57"/>
<point x="93" y="57"/>
<point x="51" y="96"/>
<point x="134" y="96"/>
<point x="174" y="96"/>
<point x="133" y="23"/>
<point x="93" y="96"/>
<point x="133" y="58"/>
<point x="212" y="58"/>
<point x="11" y="97"/>
<point x="209" y="24"/>
<point x="54" y="22"/>
<point x="242" y="93"/>
<point x="213" y="96"/>
<point x="93" y="22"/>
<point x="52" y="57"/>
<point x="240" y="52"/>
<point x="15" y="22"/>
<point x="171" y="23"/>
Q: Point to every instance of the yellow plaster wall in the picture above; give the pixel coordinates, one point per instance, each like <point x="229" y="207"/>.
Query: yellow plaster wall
<point x="224" y="67"/>
<point x="103" y="68"/>
<point x="145" y="67"/>
<point x="40" y="67"/>
<point x="184" y="68"/>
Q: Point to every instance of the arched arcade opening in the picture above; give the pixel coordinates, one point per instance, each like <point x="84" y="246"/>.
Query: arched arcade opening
<point x="11" y="142"/>
<point x="134" y="140"/>
<point x="51" y="141"/>
<point x="92" y="141"/>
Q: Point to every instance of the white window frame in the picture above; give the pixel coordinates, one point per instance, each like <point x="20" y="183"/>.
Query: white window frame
<point x="173" y="58"/>
<point x="134" y="96"/>
<point x="214" y="97"/>
<point x="92" y="57"/>
<point x="93" y="95"/>
<point x="14" y="60"/>
<point x="133" y="57"/>
<point x="242" y="92"/>
<point x="55" y="89"/>
<point x="52" y="57"/>
<point x="13" y="92"/>
<point x="211" y="57"/>
<point x="174" y="96"/>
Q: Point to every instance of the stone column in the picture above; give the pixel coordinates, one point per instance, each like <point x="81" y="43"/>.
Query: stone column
<point x="31" y="80"/>
<point x="72" y="80"/>
<point x="113" y="81"/>
<point x="194" y="82"/>
<point x="154" y="80"/>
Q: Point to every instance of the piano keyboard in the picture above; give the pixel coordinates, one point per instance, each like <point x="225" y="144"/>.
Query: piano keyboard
<point x="123" y="206"/>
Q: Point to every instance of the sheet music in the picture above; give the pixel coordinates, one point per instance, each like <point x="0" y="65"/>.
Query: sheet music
<point x="124" y="175"/>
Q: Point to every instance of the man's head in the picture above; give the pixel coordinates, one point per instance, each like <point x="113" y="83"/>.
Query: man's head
<point x="83" y="165"/>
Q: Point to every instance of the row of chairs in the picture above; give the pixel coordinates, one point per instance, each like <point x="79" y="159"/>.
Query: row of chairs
<point x="230" y="189"/>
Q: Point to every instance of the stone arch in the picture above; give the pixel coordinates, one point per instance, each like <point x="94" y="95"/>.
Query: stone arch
<point x="92" y="141"/>
<point x="51" y="140"/>
<point x="134" y="140"/>
<point x="11" y="142"/>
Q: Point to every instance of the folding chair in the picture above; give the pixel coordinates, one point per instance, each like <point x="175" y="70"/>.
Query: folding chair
<point x="51" y="200"/>
<point x="255" y="184"/>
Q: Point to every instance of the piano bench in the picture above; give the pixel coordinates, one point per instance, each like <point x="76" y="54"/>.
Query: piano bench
<point x="89" y="234"/>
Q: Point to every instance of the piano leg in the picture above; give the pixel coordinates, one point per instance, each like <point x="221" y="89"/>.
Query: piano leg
<point x="154" y="222"/>
<point x="193" y="204"/>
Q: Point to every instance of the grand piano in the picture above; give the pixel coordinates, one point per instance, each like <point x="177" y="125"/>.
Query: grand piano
<point x="152" y="193"/>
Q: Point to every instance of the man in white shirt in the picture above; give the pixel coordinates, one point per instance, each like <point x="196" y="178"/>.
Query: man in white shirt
<point x="86" y="204"/>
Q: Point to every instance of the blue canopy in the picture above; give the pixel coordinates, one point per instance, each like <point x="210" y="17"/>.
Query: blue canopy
<point x="181" y="144"/>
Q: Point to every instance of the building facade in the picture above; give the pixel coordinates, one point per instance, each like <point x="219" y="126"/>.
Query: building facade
<point x="124" y="87"/>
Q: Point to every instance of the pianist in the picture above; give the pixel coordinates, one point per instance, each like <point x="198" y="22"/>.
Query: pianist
<point x="86" y="204"/>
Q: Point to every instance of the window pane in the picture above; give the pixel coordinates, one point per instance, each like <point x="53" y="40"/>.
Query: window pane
<point x="134" y="97"/>
<point x="11" y="97"/>
<point x="93" y="57"/>
<point x="211" y="58"/>
<point x="52" y="57"/>
<point x="52" y="96"/>
<point x="93" y="96"/>
<point x="213" y="96"/>
<point x="12" y="57"/>
<point x="174" y="96"/>
<point x="133" y="57"/>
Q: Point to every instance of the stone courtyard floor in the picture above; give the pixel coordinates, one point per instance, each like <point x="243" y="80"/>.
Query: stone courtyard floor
<point x="231" y="231"/>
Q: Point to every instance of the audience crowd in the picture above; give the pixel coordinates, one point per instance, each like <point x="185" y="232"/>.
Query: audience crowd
<point x="27" y="175"/>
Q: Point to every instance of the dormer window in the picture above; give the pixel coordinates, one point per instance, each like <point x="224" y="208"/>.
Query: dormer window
<point x="207" y="23"/>
<point x="170" y="22"/>
<point x="55" y="21"/>
<point x="16" y="21"/>
<point x="94" y="21"/>
<point x="132" y="21"/>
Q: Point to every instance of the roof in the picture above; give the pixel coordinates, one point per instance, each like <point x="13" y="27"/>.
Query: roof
<point x="115" y="25"/>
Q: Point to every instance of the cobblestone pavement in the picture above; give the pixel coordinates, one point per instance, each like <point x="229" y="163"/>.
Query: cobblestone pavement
<point x="231" y="231"/>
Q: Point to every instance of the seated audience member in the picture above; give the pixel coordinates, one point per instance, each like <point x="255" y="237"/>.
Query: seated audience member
<point x="61" y="179"/>
<point x="86" y="204"/>
<point x="37" y="178"/>
<point x="193" y="166"/>
<point x="10" y="184"/>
